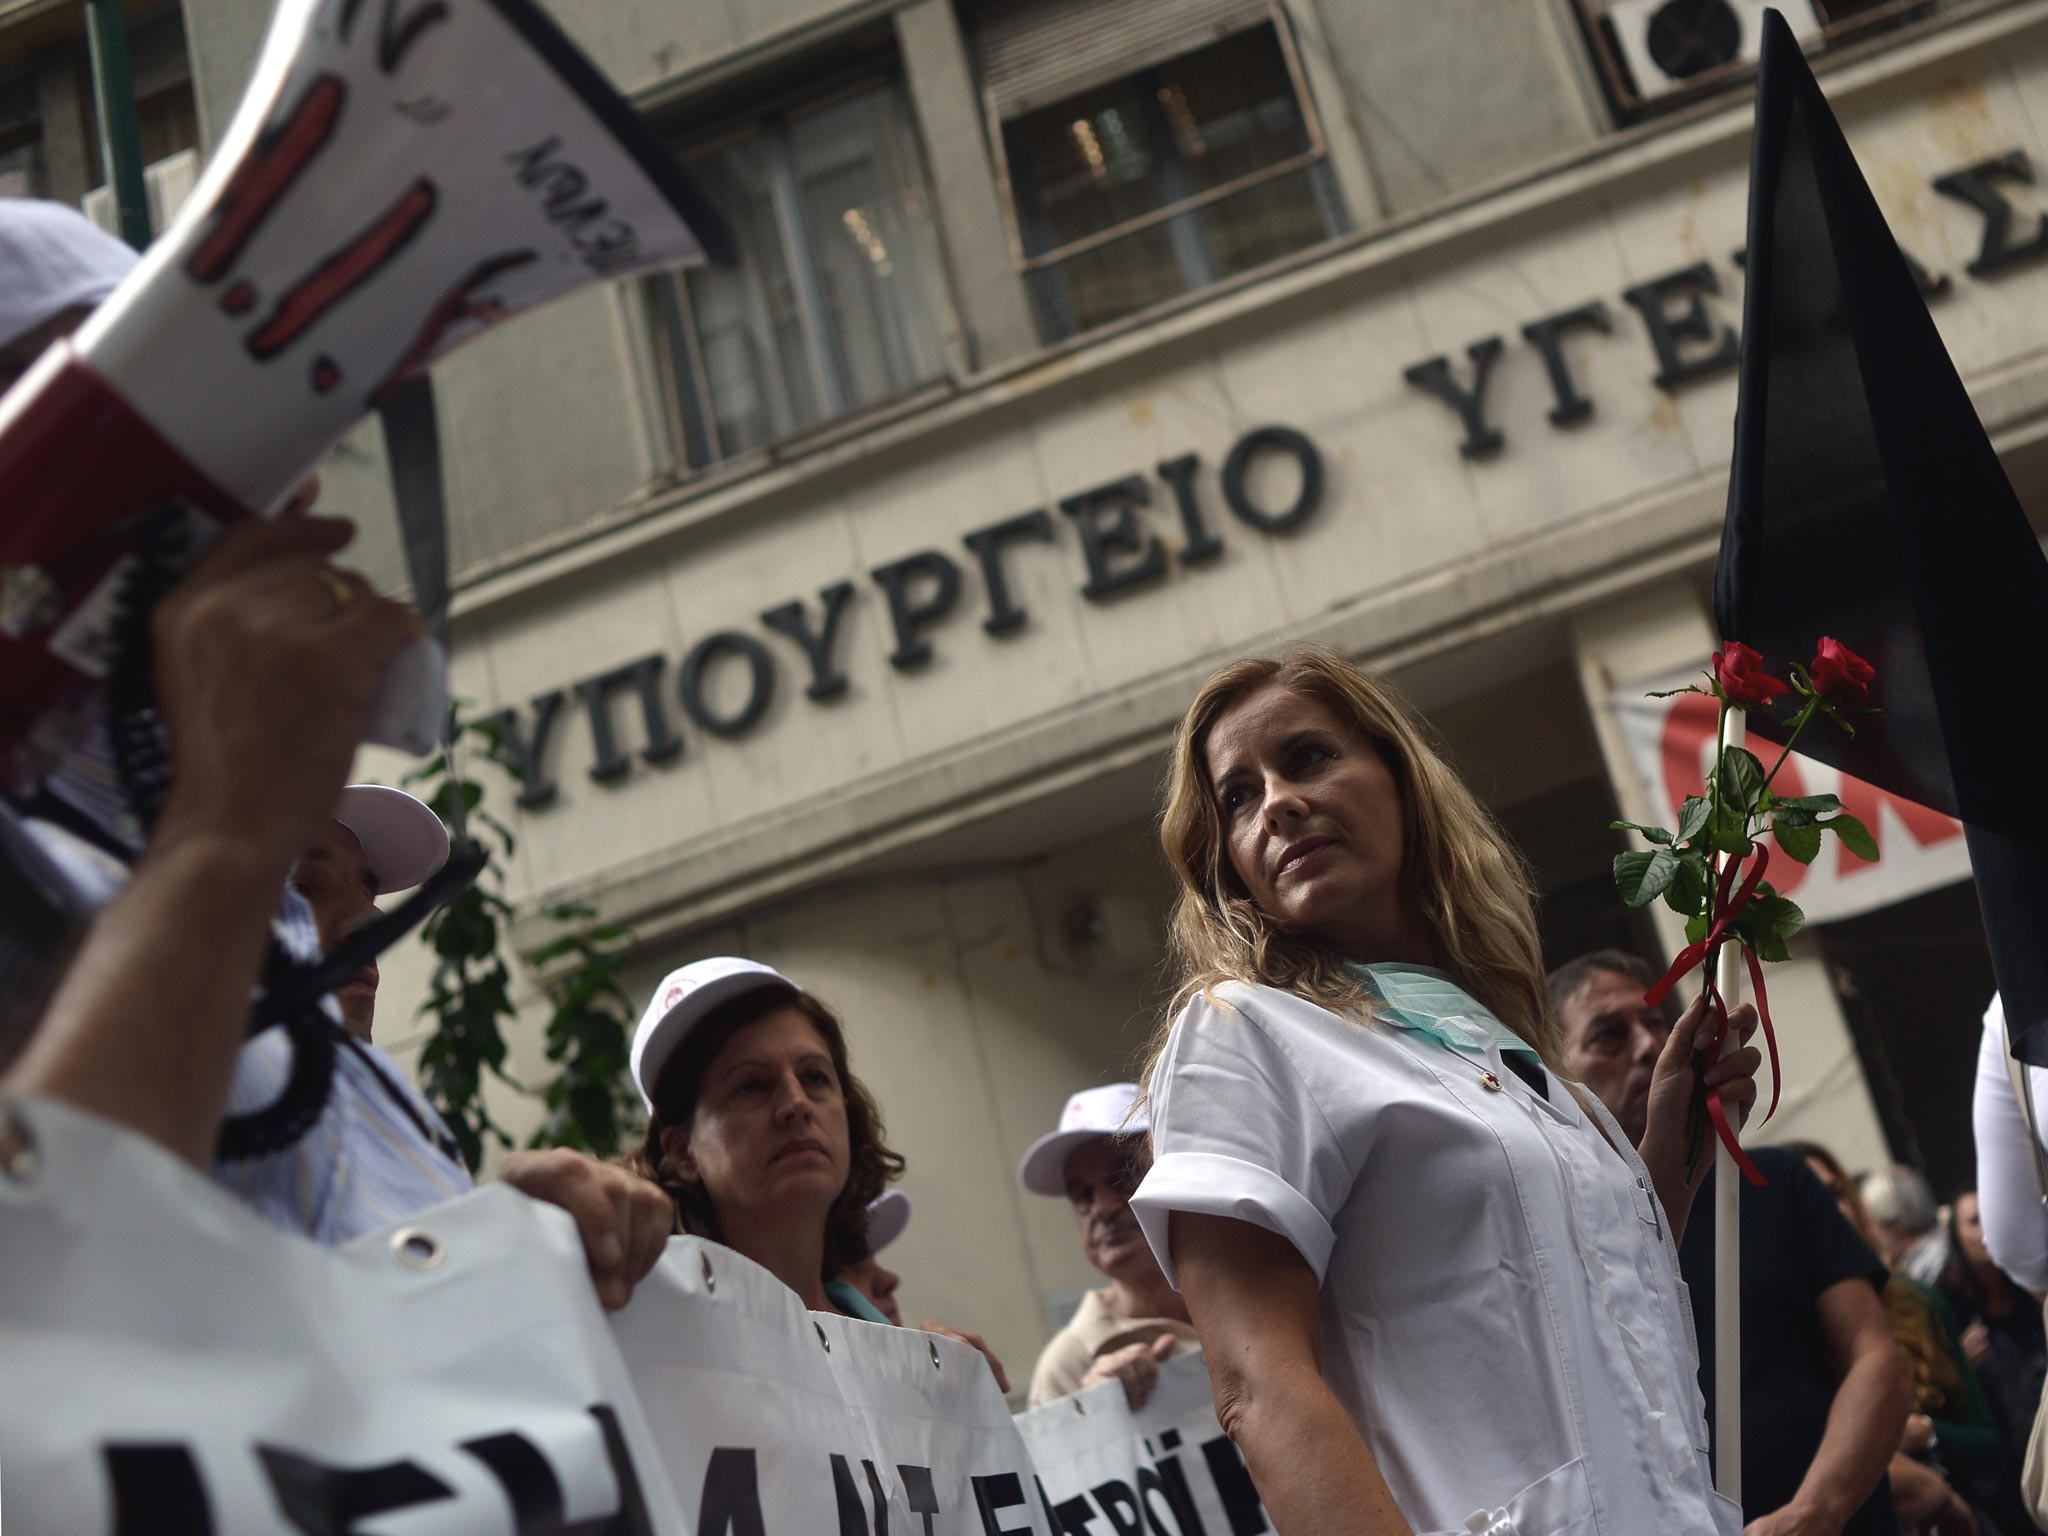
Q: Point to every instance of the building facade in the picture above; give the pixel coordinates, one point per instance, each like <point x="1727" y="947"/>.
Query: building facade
<point x="842" y="603"/>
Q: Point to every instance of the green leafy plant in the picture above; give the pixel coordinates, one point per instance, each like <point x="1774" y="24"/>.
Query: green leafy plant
<point x="1709" y="868"/>
<point x="589" y="1102"/>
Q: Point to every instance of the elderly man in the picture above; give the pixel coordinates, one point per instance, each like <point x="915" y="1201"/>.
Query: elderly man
<point x="1825" y="1390"/>
<point x="1122" y="1332"/>
<point x="302" y="643"/>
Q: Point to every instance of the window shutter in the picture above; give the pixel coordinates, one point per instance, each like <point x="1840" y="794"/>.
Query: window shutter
<point x="1034" y="52"/>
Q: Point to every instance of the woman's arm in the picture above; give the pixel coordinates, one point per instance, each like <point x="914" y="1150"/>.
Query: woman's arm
<point x="1258" y="1308"/>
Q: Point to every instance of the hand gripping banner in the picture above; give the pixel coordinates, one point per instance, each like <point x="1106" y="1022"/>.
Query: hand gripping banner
<point x="402" y="175"/>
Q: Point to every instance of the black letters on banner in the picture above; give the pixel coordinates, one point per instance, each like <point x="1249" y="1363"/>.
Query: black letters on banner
<point x="1691" y="323"/>
<point x="157" y="1487"/>
<point x="760" y="681"/>
<point x="1120" y="533"/>
<point x="731" y="1502"/>
<point x="993" y="1495"/>
<point x="1282" y="440"/>
<point x="1544" y="336"/>
<point x="828" y="680"/>
<point x="1120" y="1506"/>
<point x="536" y="787"/>
<point x="1234" y="1486"/>
<point x="1973" y="185"/>
<point x="321" y="1500"/>
<point x="909" y="617"/>
<point x="1202" y="545"/>
<point x="918" y="1490"/>
<point x="1170" y="1484"/>
<point x="1433" y="377"/>
<point x="595" y="692"/>
<point x="1005" y="615"/>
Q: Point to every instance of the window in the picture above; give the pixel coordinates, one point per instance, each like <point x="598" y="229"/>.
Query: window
<point x="837" y="301"/>
<point x="1162" y="179"/>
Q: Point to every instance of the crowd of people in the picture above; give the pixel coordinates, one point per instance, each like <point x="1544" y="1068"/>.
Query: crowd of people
<point x="1422" y="1202"/>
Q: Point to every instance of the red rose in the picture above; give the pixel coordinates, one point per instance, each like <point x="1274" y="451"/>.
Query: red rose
<point x="1739" y="672"/>
<point x="1839" y="672"/>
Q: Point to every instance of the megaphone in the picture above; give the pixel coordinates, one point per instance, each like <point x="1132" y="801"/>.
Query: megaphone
<point x="401" y="175"/>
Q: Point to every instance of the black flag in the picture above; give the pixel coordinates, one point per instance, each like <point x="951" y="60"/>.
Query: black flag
<point x="1865" y="502"/>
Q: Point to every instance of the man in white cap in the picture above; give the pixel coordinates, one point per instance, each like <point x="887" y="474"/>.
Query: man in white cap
<point x="380" y="840"/>
<point x="55" y="266"/>
<point x="1096" y="1159"/>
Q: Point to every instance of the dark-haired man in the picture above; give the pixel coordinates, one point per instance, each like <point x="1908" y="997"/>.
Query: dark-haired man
<point x="1825" y="1390"/>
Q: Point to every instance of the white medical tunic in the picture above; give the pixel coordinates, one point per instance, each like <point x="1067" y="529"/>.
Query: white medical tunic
<point x="1502" y="1313"/>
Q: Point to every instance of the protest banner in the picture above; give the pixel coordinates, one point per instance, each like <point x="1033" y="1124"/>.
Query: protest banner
<point x="175" y="1363"/>
<point x="1166" y="1469"/>
<point x="775" y="1421"/>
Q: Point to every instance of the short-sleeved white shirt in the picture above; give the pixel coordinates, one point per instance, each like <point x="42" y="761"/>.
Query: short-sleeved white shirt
<point x="1502" y="1313"/>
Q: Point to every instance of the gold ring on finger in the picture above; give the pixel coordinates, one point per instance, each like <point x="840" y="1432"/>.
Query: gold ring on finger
<point x="337" y="586"/>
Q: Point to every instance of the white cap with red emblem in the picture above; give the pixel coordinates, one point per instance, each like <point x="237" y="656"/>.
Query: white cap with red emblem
<point x="682" y="1000"/>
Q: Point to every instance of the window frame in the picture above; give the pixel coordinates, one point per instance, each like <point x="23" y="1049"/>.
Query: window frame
<point x="1317" y="153"/>
<point x="669" y="319"/>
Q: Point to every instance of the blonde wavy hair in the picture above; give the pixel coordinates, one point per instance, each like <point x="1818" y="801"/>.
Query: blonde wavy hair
<point x="1457" y="867"/>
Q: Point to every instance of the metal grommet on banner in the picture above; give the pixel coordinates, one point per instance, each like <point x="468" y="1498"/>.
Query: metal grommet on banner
<point x="932" y="1344"/>
<point x="20" y="1161"/>
<point x="418" y="1249"/>
<point x="710" y="1280"/>
<point x="821" y="1335"/>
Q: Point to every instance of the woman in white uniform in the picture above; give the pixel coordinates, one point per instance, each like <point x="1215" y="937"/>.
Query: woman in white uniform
<point x="1435" y="1295"/>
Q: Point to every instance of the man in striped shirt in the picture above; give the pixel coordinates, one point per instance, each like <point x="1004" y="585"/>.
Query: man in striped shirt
<point x="379" y="1154"/>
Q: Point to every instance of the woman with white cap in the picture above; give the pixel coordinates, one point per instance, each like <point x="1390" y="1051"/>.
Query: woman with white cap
<point x="1435" y="1286"/>
<point x="760" y="1133"/>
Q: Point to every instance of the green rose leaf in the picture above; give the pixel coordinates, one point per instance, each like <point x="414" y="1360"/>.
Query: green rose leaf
<point x="1800" y="841"/>
<point x="1696" y="928"/>
<point x="1655" y="834"/>
<point x="1813" y="803"/>
<point x="1854" y="835"/>
<point x="1731" y="833"/>
<point x="1692" y="818"/>
<point x="1687" y="892"/>
<point x="1742" y="778"/>
<point x="1642" y="877"/>
<point x="1767" y="922"/>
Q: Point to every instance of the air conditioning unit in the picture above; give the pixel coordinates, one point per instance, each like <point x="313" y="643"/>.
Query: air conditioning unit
<point x="1667" y="44"/>
<point x="168" y="182"/>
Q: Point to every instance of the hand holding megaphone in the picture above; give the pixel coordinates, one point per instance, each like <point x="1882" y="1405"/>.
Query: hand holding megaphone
<point x="402" y="175"/>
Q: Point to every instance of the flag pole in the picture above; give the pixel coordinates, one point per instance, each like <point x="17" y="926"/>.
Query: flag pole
<point x="1728" y="1231"/>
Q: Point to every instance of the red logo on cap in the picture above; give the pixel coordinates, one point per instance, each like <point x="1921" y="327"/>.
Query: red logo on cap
<point x="671" y="997"/>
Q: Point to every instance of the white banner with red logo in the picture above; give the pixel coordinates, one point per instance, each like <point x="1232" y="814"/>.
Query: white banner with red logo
<point x="1672" y="743"/>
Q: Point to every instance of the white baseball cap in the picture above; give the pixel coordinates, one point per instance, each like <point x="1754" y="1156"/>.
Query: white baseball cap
<point x="402" y="839"/>
<point x="888" y="1215"/>
<point x="52" y="257"/>
<point x="680" y="1003"/>
<point x="1090" y="1114"/>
